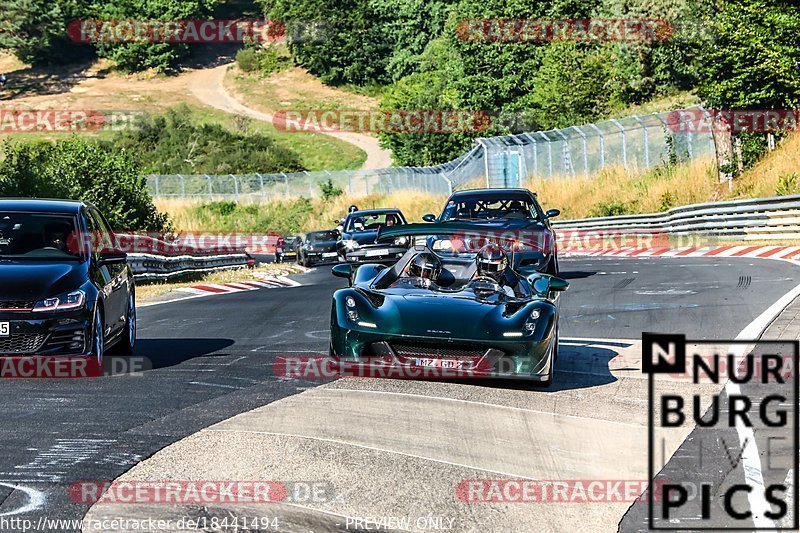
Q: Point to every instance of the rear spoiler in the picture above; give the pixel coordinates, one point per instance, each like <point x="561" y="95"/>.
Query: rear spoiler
<point x="427" y="229"/>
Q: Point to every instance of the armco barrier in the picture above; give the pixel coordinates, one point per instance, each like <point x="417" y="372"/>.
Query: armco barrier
<point x="147" y="267"/>
<point x="759" y="219"/>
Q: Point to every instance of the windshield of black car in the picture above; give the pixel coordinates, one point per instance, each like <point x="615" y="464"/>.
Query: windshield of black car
<point x="322" y="236"/>
<point x="483" y="208"/>
<point x="372" y="221"/>
<point x="39" y="236"/>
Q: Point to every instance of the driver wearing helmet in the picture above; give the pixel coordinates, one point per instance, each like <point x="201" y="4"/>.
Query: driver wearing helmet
<point x="425" y="269"/>
<point x="493" y="263"/>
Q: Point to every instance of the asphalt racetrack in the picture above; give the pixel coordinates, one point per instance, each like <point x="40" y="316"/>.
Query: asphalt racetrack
<point x="389" y="447"/>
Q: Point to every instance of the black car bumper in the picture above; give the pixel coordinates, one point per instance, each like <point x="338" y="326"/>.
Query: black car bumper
<point x="375" y="254"/>
<point x="62" y="334"/>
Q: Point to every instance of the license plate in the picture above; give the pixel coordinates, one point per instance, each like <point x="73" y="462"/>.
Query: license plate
<point x="438" y="363"/>
<point x="329" y="254"/>
<point x="373" y="253"/>
<point x="5" y="329"/>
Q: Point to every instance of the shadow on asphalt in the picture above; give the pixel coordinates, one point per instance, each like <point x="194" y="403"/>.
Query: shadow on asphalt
<point x="162" y="353"/>
<point x="575" y="274"/>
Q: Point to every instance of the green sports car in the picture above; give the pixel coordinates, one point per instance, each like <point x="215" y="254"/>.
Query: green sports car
<point x="398" y="322"/>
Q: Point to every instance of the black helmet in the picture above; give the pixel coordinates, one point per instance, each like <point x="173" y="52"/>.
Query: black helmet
<point x="492" y="262"/>
<point x="352" y="209"/>
<point x="426" y="266"/>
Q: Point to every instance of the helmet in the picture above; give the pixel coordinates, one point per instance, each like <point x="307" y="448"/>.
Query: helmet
<point x="492" y="262"/>
<point x="352" y="209"/>
<point x="426" y="266"/>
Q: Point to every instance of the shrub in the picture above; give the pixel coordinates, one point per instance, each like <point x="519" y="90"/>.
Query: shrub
<point x="788" y="184"/>
<point x="173" y="144"/>
<point x="329" y="190"/>
<point x="611" y="208"/>
<point x="247" y="59"/>
<point x="79" y="169"/>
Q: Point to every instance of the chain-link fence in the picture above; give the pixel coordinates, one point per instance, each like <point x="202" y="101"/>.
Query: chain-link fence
<point x="632" y="143"/>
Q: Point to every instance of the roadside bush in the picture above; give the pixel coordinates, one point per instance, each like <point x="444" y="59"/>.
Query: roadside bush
<point x="173" y="144"/>
<point x="330" y="190"/>
<point x="788" y="184"/>
<point x="247" y="59"/>
<point x="612" y="208"/>
<point x="79" y="169"/>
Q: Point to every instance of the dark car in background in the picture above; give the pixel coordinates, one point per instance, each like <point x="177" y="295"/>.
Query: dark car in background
<point x="65" y="289"/>
<point x="511" y="217"/>
<point x="287" y="247"/>
<point x="359" y="239"/>
<point x="318" y="247"/>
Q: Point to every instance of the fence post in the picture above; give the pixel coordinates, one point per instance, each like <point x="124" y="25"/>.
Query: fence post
<point x="286" y="181"/>
<point x="566" y="155"/>
<point x="646" y="140"/>
<point x="482" y="144"/>
<point x="183" y="186"/>
<point x="261" y="185"/>
<point x="157" y="191"/>
<point x="602" y="145"/>
<point x="585" y="154"/>
<point x="535" y="153"/>
<point x="235" y="186"/>
<point x="308" y="178"/>
<point x="624" y="143"/>
<point x="210" y="191"/>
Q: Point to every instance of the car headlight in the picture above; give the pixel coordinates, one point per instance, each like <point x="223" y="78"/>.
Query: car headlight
<point x="530" y="323"/>
<point x="62" y="302"/>
<point x="350" y="244"/>
<point x="309" y="247"/>
<point x="352" y="313"/>
<point x="401" y="241"/>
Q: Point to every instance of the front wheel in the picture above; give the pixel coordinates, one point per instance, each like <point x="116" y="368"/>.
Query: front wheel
<point x="552" y="266"/>
<point x="553" y="359"/>
<point x="98" y="338"/>
<point x="128" y="339"/>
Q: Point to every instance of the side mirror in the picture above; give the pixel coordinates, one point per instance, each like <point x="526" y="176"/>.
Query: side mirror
<point x="557" y="284"/>
<point x="552" y="213"/>
<point x="337" y="221"/>
<point x="429" y="218"/>
<point x="112" y="257"/>
<point x="342" y="271"/>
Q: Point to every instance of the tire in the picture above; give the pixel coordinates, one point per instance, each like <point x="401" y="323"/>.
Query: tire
<point x="553" y="358"/>
<point x="127" y="340"/>
<point x="98" y="338"/>
<point x="552" y="267"/>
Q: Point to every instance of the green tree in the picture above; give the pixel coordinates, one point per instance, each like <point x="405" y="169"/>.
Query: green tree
<point x="79" y="169"/>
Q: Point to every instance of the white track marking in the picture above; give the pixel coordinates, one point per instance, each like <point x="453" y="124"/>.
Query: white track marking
<point x="473" y="402"/>
<point x="364" y="446"/>
<point x="36" y="499"/>
<point x="751" y="463"/>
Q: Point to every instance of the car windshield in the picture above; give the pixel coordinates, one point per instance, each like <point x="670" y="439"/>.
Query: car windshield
<point x="44" y="236"/>
<point x="489" y="208"/>
<point x="372" y="221"/>
<point x="322" y="236"/>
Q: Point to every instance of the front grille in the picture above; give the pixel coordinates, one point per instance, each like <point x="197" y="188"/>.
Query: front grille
<point x="437" y="351"/>
<point x="21" y="343"/>
<point x="22" y="305"/>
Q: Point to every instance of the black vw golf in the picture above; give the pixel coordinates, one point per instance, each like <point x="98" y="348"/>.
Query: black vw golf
<point x="65" y="290"/>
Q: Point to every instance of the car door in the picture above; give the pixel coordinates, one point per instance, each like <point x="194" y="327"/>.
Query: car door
<point x="114" y="275"/>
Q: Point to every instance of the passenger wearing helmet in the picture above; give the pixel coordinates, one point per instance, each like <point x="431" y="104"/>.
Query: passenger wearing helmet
<point x="425" y="268"/>
<point x="492" y="263"/>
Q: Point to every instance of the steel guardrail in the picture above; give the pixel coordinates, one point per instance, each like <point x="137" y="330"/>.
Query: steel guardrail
<point x="751" y="219"/>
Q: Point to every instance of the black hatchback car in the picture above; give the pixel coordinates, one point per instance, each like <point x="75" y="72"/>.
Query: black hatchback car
<point x="318" y="247"/>
<point x="65" y="290"/>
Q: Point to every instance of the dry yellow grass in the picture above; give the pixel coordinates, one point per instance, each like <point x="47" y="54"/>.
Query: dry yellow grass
<point x="763" y="179"/>
<point x="644" y="192"/>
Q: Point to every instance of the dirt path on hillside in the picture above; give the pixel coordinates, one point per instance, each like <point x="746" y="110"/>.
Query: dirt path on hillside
<point x="208" y="86"/>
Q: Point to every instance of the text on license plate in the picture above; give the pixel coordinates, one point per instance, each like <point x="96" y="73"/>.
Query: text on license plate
<point x="372" y="253"/>
<point x="438" y="363"/>
<point x="5" y="329"/>
<point x="329" y="254"/>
